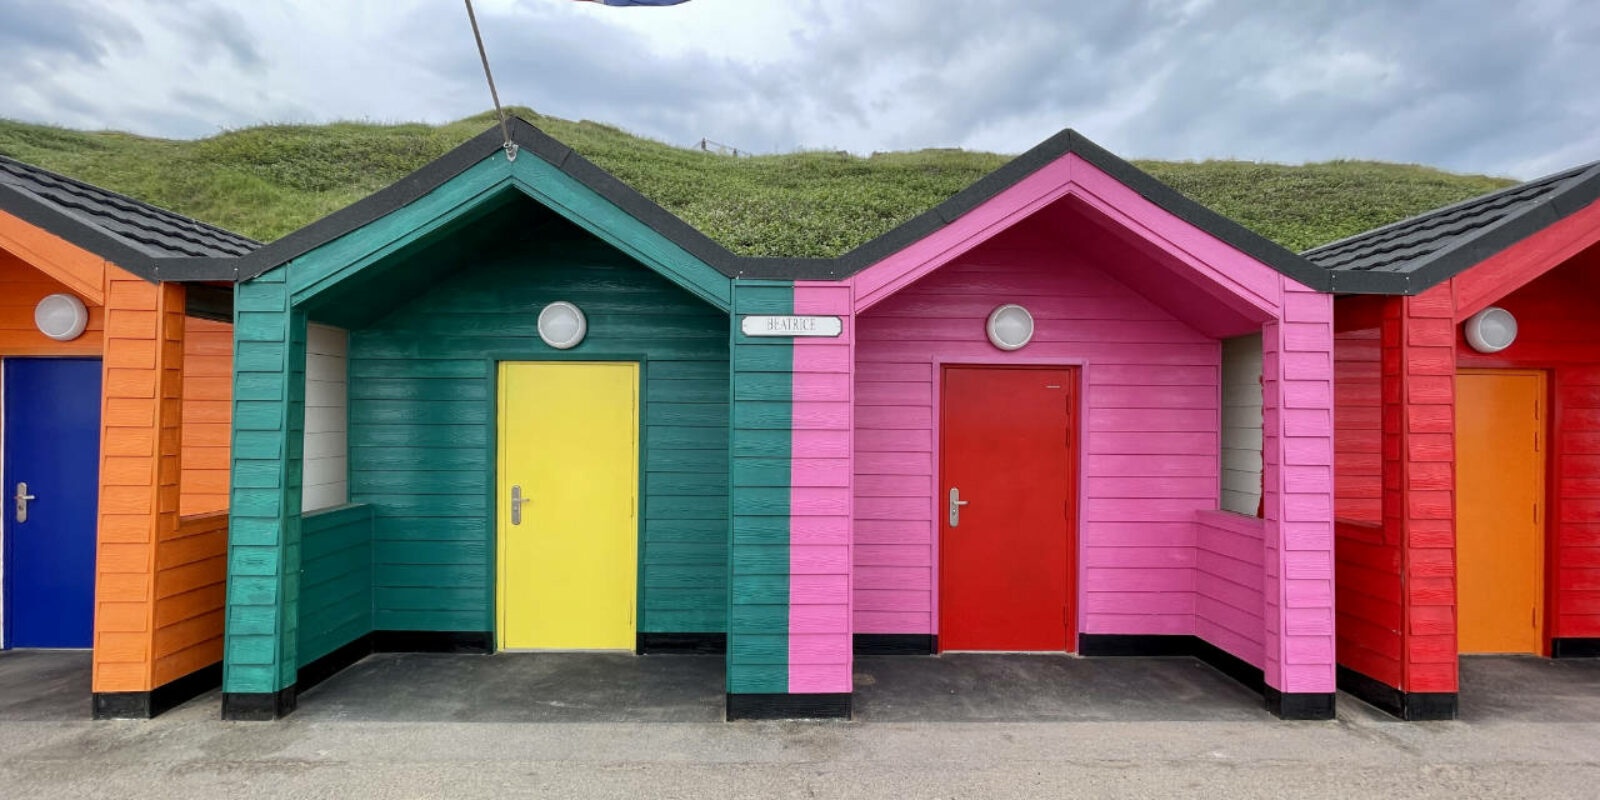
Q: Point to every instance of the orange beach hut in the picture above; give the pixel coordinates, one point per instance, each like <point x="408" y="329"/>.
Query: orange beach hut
<point x="115" y="342"/>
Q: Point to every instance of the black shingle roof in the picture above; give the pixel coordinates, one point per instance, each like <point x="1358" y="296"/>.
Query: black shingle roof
<point x="1409" y="256"/>
<point x="151" y="242"/>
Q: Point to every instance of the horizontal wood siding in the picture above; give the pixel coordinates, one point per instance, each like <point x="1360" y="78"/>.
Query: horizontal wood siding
<point x="761" y="448"/>
<point x="1419" y="479"/>
<point x="1366" y="560"/>
<point x="335" y="580"/>
<point x="1149" y="453"/>
<point x="422" y="443"/>
<point x="820" y="498"/>
<point x="264" y="505"/>
<point x="1557" y="330"/>
<point x="21" y="288"/>
<point x="1297" y="367"/>
<point x="190" y="588"/>
<point x="207" y="407"/>
<point x="1229" y="550"/>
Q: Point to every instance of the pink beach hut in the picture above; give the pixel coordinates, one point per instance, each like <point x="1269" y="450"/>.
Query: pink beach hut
<point x="1089" y="416"/>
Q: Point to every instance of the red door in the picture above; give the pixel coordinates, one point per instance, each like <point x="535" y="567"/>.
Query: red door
<point x="1007" y="450"/>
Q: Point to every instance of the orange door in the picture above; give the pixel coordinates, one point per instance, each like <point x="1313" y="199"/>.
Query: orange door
<point x="1500" y="501"/>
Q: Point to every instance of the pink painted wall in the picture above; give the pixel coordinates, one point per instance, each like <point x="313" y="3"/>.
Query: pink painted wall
<point x="820" y="498"/>
<point x="1139" y="299"/>
<point x="1149" y="449"/>
<point x="1297" y="386"/>
<point x="1229" y="554"/>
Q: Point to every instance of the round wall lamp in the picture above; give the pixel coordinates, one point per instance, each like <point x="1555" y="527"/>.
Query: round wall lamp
<point x="1491" y="330"/>
<point x="1010" y="327"/>
<point x="61" y="317"/>
<point x="562" y="325"/>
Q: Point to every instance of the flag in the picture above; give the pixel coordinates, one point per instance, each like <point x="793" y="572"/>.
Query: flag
<point x="636" y="2"/>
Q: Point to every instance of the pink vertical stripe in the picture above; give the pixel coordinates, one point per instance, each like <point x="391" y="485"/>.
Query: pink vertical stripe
<point x="820" y="498"/>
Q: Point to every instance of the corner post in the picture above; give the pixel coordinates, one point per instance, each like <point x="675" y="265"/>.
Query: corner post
<point x="260" y="661"/>
<point x="1418" y="337"/>
<point x="1297" y="387"/>
<point x="140" y="423"/>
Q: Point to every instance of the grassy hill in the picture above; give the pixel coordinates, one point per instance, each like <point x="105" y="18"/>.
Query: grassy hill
<point x="266" y="181"/>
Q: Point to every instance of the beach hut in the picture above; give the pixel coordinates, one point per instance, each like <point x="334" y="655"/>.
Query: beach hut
<point x="1467" y="439"/>
<point x="1089" y="416"/>
<point x="115" y="335"/>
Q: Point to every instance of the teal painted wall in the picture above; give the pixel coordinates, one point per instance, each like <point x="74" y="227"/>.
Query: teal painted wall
<point x="264" y="511"/>
<point x="335" y="580"/>
<point x="422" y="408"/>
<point x="761" y="450"/>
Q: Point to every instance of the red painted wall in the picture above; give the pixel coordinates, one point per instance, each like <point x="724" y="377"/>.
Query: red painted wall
<point x="1559" y="331"/>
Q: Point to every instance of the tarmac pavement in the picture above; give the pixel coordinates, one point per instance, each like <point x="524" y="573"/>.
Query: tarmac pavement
<point x="1505" y="750"/>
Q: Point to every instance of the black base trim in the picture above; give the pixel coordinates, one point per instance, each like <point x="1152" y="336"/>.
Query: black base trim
<point x="1231" y="665"/>
<point x="1123" y="644"/>
<point x="788" y="706"/>
<point x="1286" y="706"/>
<point x="331" y="664"/>
<point x="1409" y="706"/>
<point x="467" y="642"/>
<point x="681" y="644"/>
<point x="157" y="701"/>
<point x="258" y="706"/>
<point x="895" y="644"/>
<point x="1300" y="705"/>
<point x="1575" y="648"/>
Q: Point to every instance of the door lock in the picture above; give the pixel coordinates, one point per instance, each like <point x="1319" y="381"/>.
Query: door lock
<point x="955" y="506"/>
<point x="22" y="499"/>
<point x="517" y="502"/>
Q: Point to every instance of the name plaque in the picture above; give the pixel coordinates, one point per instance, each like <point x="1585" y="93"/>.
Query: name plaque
<point x="790" y="326"/>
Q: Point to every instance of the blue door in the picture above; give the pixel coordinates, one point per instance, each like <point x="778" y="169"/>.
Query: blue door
<point x="52" y="444"/>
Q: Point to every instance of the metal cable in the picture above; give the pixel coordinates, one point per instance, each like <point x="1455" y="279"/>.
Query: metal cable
<point x="505" y="130"/>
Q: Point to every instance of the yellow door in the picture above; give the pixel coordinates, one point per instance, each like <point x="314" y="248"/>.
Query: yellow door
<point x="568" y="555"/>
<point x="1500" y="501"/>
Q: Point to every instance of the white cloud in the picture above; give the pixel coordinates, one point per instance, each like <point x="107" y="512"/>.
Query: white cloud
<point x="1477" y="85"/>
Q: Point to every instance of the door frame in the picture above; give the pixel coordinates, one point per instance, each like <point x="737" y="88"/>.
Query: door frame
<point x="492" y="362"/>
<point x="1079" y="368"/>
<point x="1550" y="489"/>
<point x="6" y="604"/>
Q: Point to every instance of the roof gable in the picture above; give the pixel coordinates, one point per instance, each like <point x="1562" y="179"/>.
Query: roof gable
<point x="456" y="187"/>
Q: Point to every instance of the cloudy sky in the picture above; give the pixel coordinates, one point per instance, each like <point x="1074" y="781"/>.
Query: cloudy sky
<point x="1500" y="86"/>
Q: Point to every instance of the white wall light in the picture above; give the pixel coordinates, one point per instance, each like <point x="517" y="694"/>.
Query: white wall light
<point x="1491" y="330"/>
<point x="562" y="325"/>
<point x="61" y="317"/>
<point x="1010" y="327"/>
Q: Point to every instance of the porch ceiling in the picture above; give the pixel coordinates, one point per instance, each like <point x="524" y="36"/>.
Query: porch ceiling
<point x="368" y="296"/>
<point x="1142" y="266"/>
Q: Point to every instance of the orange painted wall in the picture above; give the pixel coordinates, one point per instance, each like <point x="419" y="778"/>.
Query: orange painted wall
<point x="159" y="588"/>
<point x="207" y="406"/>
<point x="21" y="288"/>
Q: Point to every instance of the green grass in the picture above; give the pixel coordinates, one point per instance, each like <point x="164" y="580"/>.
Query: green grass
<point x="267" y="181"/>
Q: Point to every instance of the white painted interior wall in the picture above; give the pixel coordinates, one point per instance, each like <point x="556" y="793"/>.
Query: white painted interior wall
<point x="326" y="482"/>
<point x="1241" y="424"/>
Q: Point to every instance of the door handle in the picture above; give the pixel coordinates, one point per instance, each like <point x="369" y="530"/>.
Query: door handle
<point x="22" y="499"/>
<point x="517" y="502"/>
<point x="955" y="506"/>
